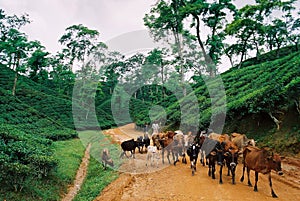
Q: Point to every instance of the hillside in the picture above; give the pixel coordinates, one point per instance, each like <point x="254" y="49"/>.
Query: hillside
<point x="254" y="95"/>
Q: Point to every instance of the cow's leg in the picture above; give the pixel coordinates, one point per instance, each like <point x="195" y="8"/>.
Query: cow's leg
<point x="157" y="158"/>
<point x="242" y="178"/>
<point x="201" y="158"/>
<point x="213" y="169"/>
<point x="147" y="158"/>
<point x="232" y="168"/>
<point x="248" y="175"/>
<point x="152" y="157"/>
<point x="212" y="164"/>
<point x="168" y="156"/>
<point x="104" y="165"/>
<point x="184" y="158"/>
<point x="272" y="191"/>
<point x="122" y="154"/>
<point x="228" y="167"/>
<point x="196" y="163"/>
<point x="163" y="155"/>
<point x="256" y="180"/>
<point x="132" y="153"/>
<point x="209" y="168"/>
<point x="221" y="170"/>
<point x="174" y="156"/>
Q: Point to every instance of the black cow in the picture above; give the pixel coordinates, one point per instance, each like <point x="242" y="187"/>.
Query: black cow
<point x="143" y="142"/>
<point x="215" y="156"/>
<point x="129" y="145"/>
<point x="140" y="143"/>
<point x="146" y="141"/>
<point x="193" y="152"/>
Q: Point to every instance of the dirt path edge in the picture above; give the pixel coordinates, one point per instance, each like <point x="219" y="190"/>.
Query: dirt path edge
<point x="117" y="187"/>
<point x="80" y="176"/>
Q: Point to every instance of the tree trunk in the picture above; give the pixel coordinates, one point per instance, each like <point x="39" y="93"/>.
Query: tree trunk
<point x="15" y="84"/>
<point x="257" y="48"/>
<point x="242" y="57"/>
<point x="230" y="59"/>
<point x="16" y="77"/>
<point x="178" y="43"/>
<point x="206" y="57"/>
<point x="297" y="102"/>
<point x="87" y="114"/>
<point x="162" y="79"/>
<point x="276" y="121"/>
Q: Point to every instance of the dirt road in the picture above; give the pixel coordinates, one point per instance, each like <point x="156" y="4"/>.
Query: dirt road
<point x="177" y="184"/>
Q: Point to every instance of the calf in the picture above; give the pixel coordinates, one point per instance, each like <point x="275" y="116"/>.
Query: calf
<point x="231" y="158"/>
<point x="152" y="153"/>
<point x="129" y="145"/>
<point x="193" y="152"/>
<point x="178" y="147"/>
<point x="106" y="159"/>
<point x="261" y="161"/>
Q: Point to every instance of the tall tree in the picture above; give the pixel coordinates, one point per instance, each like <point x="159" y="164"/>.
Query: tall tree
<point x="17" y="48"/>
<point x="61" y="75"/>
<point x="37" y="62"/>
<point x="79" y="41"/>
<point x="165" y="20"/>
<point x="213" y="16"/>
<point x="8" y="22"/>
<point x="251" y="29"/>
<point x="8" y="26"/>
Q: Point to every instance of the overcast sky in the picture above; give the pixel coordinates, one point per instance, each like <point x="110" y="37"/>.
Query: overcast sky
<point x="111" y="18"/>
<point x="50" y="18"/>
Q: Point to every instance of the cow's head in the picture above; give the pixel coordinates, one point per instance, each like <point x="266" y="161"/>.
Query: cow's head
<point x="156" y="141"/>
<point x="232" y="153"/>
<point x="275" y="163"/>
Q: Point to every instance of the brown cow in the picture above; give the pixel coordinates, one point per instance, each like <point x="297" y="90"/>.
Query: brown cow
<point x="219" y="137"/>
<point x="241" y="140"/>
<point x="224" y="150"/>
<point x="261" y="161"/>
<point x="164" y="142"/>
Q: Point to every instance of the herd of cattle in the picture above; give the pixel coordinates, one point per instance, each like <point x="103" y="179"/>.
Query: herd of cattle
<point x="213" y="148"/>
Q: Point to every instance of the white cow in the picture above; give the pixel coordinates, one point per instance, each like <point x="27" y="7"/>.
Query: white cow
<point x="152" y="153"/>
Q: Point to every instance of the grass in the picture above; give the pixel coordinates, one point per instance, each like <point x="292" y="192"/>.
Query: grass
<point x="99" y="142"/>
<point x="69" y="154"/>
<point x="97" y="179"/>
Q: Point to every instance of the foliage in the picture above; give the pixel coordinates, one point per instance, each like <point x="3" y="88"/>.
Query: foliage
<point x="68" y="155"/>
<point x="23" y="157"/>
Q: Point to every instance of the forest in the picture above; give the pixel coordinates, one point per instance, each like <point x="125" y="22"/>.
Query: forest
<point x="47" y="99"/>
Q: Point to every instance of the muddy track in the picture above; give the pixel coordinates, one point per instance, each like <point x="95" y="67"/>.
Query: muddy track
<point x="177" y="183"/>
<point x="80" y="176"/>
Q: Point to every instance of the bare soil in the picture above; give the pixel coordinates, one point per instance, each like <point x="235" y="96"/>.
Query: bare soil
<point x="171" y="182"/>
